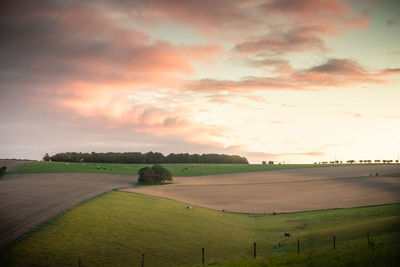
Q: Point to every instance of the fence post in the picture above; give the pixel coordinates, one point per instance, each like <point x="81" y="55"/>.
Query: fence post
<point x="298" y="246"/>
<point x="334" y="242"/>
<point x="255" y="250"/>
<point x="202" y="255"/>
<point x="79" y="262"/>
<point x="368" y="238"/>
<point x="143" y="260"/>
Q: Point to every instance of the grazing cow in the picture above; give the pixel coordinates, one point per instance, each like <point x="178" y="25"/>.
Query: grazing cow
<point x="288" y="234"/>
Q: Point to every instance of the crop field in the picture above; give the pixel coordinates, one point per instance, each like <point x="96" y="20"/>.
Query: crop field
<point x="27" y="200"/>
<point x="117" y="228"/>
<point x="285" y="190"/>
<point x="177" y="169"/>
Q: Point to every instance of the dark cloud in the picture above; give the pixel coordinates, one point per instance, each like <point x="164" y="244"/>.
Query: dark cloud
<point x="339" y="66"/>
<point x="281" y="42"/>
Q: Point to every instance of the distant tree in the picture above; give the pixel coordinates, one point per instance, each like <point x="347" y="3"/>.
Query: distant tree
<point x="264" y="162"/>
<point x="157" y="174"/>
<point x="46" y="157"/>
<point x="3" y="170"/>
<point x="270" y="162"/>
<point x="377" y="160"/>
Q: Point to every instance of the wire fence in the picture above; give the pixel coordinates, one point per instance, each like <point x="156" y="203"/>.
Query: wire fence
<point x="144" y="260"/>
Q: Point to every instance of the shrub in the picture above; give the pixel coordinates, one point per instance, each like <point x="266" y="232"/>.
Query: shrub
<point x="154" y="175"/>
<point x="3" y="170"/>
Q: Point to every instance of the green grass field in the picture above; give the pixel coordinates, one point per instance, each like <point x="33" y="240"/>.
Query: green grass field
<point x="186" y="169"/>
<point x="116" y="228"/>
<point x="382" y="255"/>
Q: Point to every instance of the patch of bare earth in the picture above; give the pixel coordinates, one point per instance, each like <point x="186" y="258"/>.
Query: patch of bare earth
<point x="285" y="190"/>
<point x="27" y="200"/>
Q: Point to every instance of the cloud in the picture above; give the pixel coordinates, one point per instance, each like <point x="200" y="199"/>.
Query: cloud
<point x="334" y="73"/>
<point x="301" y="26"/>
<point x="280" y="42"/>
<point x="56" y="42"/>
<point x="277" y="66"/>
<point x="207" y="16"/>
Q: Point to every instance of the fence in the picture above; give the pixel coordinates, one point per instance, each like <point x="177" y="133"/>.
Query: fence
<point x="203" y="251"/>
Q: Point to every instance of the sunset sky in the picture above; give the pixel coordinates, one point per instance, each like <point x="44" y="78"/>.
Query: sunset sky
<point x="294" y="81"/>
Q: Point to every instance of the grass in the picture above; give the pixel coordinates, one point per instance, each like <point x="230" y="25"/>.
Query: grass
<point x="186" y="169"/>
<point x="116" y="228"/>
<point x="381" y="255"/>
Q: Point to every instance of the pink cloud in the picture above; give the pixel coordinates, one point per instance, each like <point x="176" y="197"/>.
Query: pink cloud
<point x="333" y="73"/>
<point x="301" y="26"/>
<point x="58" y="42"/>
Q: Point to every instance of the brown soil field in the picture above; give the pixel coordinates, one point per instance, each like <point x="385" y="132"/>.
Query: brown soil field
<point x="27" y="200"/>
<point x="13" y="164"/>
<point x="285" y="190"/>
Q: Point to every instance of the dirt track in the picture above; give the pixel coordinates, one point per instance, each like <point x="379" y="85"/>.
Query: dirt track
<point x="285" y="190"/>
<point x="27" y="200"/>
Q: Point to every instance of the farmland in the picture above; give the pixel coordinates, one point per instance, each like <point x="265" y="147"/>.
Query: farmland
<point x="116" y="228"/>
<point x="177" y="169"/>
<point x="285" y="190"/>
<point x="65" y="222"/>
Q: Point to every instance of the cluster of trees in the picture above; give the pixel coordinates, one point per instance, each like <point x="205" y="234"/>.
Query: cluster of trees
<point x="269" y="162"/>
<point x="353" y="161"/>
<point x="140" y="158"/>
<point x="154" y="175"/>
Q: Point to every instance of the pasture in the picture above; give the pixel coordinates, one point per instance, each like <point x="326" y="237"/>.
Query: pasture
<point x="383" y="255"/>
<point x="116" y="228"/>
<point x="177" y="169"/>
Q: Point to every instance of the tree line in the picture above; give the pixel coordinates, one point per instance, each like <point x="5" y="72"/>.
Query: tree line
<point x="144" y="158"/>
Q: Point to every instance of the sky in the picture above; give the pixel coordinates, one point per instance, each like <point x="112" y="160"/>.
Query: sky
<point x="289" y="81"/>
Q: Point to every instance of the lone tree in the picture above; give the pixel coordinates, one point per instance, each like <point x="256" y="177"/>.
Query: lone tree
<point x="154" y="175"/>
